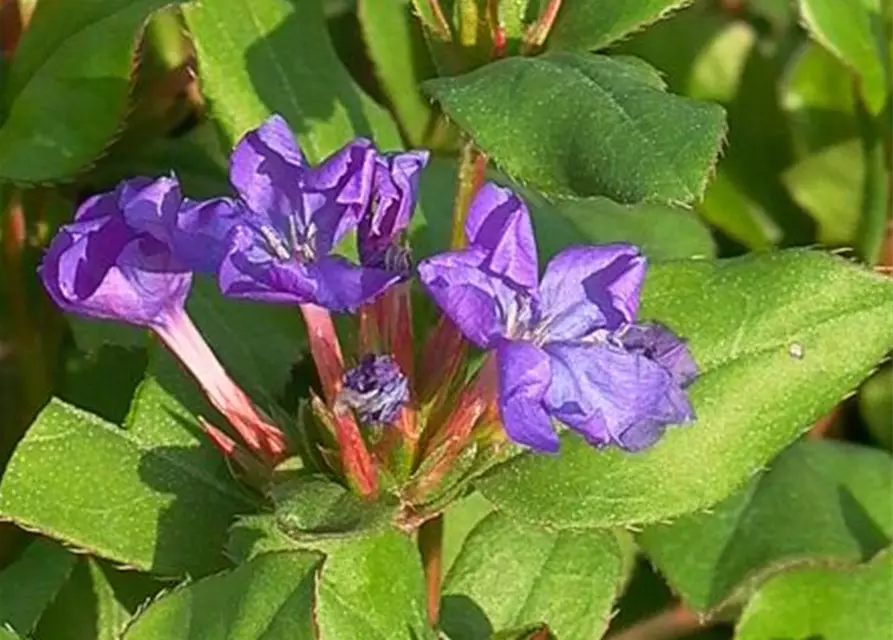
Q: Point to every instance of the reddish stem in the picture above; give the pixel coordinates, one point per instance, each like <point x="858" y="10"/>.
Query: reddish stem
<point x="539" y="31"/>
<point x="430" y="543"/>
<point x="498" y="32"/>
<point x="356" y="461"/>
<point x="325" y="349"/>
<point x="675" y="622"/>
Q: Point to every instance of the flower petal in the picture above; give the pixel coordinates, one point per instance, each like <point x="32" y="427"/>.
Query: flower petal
<point x="99" y="267"/>
<point x="589" y="288"/>
<point x="344" y="287"/>
<point x="395" y="189"/>
<point x="250" y="271"/>
<point x="337" y="193"/>
<point x="613" y="397"/>
<point x="200" y="237"/>
<point x="267" y="169"/>
<point x="663" y="346"/>
<point x="479" y="303"/>
<point x="524" y="376"/>
<point x="499" y="222"/>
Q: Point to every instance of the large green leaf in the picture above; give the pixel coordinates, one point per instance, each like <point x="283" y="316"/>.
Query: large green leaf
<point x="711" y="55"/>
<point x="368" y="587"/>
<point x="118" y="492"/>
<point x="66" y="93"/>
<point x="269" y="597"/>
<point x="819" y="501"/>
<point x="372" y="587"/>
<point x="769" y="334"/>
<point x="459" y="520"/>
<point x="257" y="57"/>
<point x="594" y="24"/>
<point x="95" y="602"/>
<point x="579" y="125"/>
<point x="662" y="232"/>
<point x="513" y="576"/>
<point x="826" y="603"/>
<point x="853" y="31"/>
<point x="29" y="585"/>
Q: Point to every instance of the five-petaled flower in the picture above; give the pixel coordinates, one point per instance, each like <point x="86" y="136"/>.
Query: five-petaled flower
<point x="566" y="346"/>
<point x="290" y="217"/>
<point x="104" y="265"/>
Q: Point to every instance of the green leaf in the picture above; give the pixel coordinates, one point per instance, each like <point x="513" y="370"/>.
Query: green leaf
<point x="118" y="493"/>
<point x="397" y="51"/>
<point x="826" y="603"/>
<point x="819" y="501"/>
<point x="853" y="32"/>
<point x="260" y="57"/>
<point x="728" y="207"/>
<point x="662" y="232"/>
<point x="708" y="55"/>
<point x="309" y="506"/>
<point x="817" y="95"/>
<point x="585" y="126"/>
<point x="876" y="406"/>
<point x="512" y="576"/>
<point x="594" y="24"/>
<point x="269" y="597"/>
<point x="96" y="602"/>
<point x="66" y="93"/>
<point x="31" y="583"/>
<point x="372" y="588"/>
<point x="459" y="520"/>
<point x="769" y="334"/>
<point x="828" y="185"/>
<point x="103" y="381"/>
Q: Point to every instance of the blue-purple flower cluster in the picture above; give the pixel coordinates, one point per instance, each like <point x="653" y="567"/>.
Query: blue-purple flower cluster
<point x="567" y="346"/>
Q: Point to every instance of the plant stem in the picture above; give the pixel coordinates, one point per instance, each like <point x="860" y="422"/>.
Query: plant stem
<point x="877" y="190"/>
<point x="675" y="622"/>
<point x="471" y="175"/>
<point x="539" y="31"/>
<point x="430" y="541"/>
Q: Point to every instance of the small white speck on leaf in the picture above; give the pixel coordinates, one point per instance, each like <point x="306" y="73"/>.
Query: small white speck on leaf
<point x="796" y="350"/>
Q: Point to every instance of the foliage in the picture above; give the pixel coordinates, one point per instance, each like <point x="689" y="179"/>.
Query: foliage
<point x="744" y="147"/>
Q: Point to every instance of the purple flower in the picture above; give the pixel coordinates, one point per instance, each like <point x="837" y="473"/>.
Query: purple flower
<point x="393" y="202"/>
<point x="567" y="346"/>
<point x="376" y="389"/>
<point x="100" y="266"/>
<point x="292" y="216"/>
<point x="114" y="262"/>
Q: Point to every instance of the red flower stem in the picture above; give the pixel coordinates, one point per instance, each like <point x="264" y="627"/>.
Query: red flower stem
<point x="539" y="31"/>
<point x="356" y="461"/>
<point x="325" y="349"/>
<point x="675" y="622"/>
<point x="185" y="341"/>
<point x="472" y="165"/>
<point x="430" y="543"/>
<point x="497" y="31"/>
